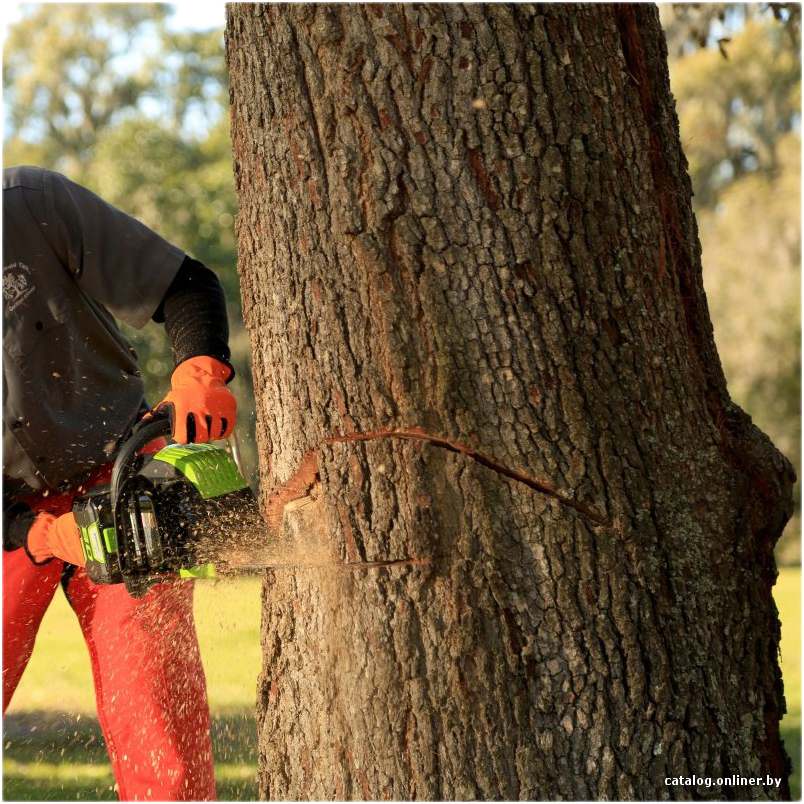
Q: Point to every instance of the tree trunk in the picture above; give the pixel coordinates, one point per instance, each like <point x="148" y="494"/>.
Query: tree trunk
<point x="531" y="536"/>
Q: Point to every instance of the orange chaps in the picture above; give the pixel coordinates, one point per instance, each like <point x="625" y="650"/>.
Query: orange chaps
<point x="149" y="682"/>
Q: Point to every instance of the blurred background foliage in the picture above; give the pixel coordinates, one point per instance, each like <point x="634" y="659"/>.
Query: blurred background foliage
<point x="120" y="101"/>
<point x="735" y="71"/>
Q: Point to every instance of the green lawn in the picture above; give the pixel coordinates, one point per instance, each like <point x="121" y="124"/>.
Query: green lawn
<point x="53" y="746"/>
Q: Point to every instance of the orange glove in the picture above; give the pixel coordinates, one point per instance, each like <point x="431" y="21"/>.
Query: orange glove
<point x="55" y="537"/>
<point x="203" y="407"/>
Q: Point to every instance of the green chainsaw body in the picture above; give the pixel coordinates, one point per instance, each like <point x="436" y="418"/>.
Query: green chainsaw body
<point x="162" y="518"/>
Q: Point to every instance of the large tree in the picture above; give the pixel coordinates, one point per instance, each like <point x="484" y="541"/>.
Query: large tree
<point x="532" y="537"/>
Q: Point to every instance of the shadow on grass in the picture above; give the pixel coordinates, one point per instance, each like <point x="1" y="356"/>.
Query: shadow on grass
<point x="35" y="742"/>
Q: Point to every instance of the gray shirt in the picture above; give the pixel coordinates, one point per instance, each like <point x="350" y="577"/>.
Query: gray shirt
<point x="71" y="386"/>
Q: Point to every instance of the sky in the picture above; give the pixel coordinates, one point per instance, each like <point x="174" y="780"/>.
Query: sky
<point x="198" y="16"/>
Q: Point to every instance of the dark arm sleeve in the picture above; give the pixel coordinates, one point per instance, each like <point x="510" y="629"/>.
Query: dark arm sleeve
<point x="17" y="520"/>
<point x="193" y="311"/>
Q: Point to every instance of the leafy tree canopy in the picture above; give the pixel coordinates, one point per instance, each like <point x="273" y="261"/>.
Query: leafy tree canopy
<point x="734" y="111"/>
<point x="73" y="71"/>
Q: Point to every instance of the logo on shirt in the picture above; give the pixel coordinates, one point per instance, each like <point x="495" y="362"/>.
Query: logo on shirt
<point x="17" y="284"/>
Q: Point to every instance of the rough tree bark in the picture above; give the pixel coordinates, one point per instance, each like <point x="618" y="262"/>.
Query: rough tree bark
<point x="485" y="374"/>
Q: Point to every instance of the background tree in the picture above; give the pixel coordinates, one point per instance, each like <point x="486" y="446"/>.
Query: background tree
<point x="484" y="363"/>
<point x="740" y="109"/>
<point x="691" y="26"/>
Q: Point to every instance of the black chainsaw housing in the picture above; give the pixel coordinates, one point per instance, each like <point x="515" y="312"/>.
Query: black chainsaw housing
<point x="152" y="523"/>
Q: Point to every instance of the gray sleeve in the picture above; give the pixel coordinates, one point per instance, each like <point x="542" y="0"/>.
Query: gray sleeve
<point x="114" y="258"/>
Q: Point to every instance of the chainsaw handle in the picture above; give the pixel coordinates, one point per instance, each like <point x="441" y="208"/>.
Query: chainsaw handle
<point x="146" y="430"/>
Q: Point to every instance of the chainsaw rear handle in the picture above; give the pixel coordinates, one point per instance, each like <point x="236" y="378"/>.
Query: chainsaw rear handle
<point x="155" y="426"/>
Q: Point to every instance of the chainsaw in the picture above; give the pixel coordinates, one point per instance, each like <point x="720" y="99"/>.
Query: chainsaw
<point x="164" y="515"/>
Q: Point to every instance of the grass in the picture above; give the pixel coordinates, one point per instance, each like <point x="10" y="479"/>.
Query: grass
<point x="53" y="749"/>
<point x="56" y="753"/>
<point x="61" y="756"/>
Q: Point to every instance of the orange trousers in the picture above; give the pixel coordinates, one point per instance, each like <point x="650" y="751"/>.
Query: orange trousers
<point x="149" y="682"/>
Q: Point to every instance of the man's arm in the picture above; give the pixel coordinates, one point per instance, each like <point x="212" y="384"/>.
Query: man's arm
<point x="44" y="534"/>
<point x="193" y="311"/>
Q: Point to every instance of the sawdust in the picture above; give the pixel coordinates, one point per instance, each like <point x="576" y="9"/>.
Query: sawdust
<point x="238" y="540"/>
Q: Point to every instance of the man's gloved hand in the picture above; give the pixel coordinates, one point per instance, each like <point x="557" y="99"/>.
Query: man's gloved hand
<point x="55" y="537"/>
<point x="203" y="408"/>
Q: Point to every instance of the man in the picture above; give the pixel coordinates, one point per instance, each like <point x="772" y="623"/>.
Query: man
<point x="72" y="264"/>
